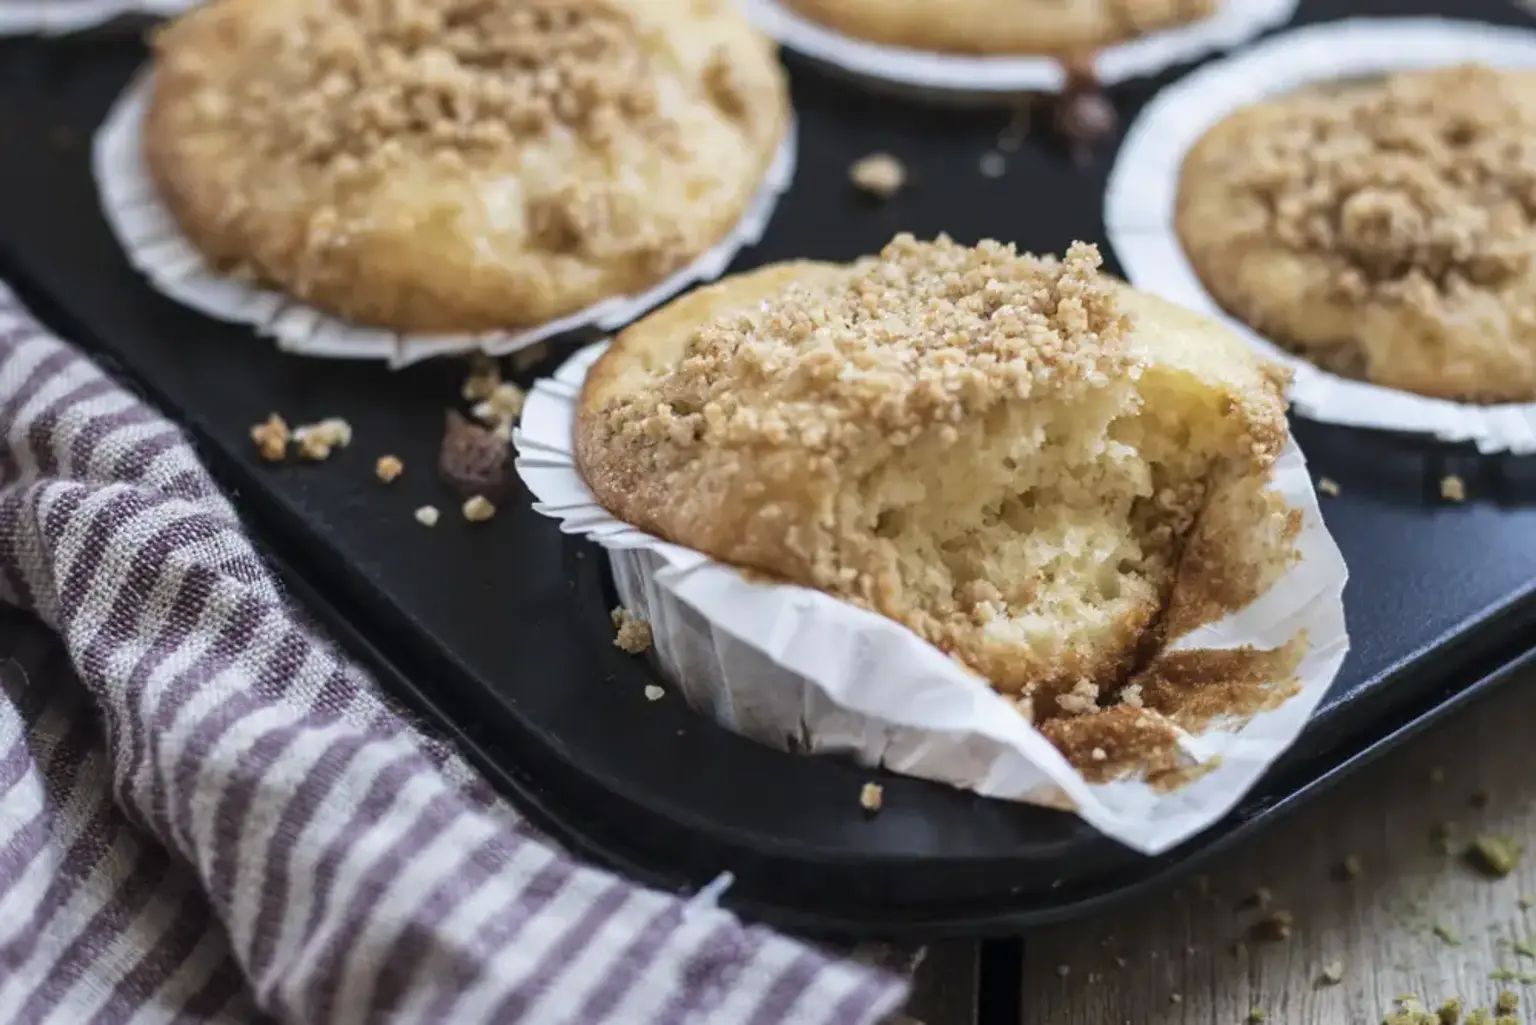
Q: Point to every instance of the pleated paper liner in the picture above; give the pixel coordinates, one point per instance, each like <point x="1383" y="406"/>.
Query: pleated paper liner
<point x="1141" y="198"/>
<point x="797" y="669"/>
<point x="958" y="76"/>
<point x="158" y="249"/>
<point x="58" y="17"/>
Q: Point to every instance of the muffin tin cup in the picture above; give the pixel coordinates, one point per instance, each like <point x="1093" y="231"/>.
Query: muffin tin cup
<point x="1142" y="195"/>
<point x="797" y="669"/>
<point x="58" y="17"/>
<point x="156" y="247"/>
<point x="975" y="78"/>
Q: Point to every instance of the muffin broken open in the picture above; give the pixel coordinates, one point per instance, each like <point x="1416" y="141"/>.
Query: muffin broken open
<point x="1038" y="470"/>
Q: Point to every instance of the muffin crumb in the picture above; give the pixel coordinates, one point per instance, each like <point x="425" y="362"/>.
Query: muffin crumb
<point x="427" y="515"/>
<point x="872" y="797"/>
<point x="653" y="692"/>
<point x="271" y="437"/>
<point x="1328" y="486"/>
<point x="631" y="634"/>
<point x="1494" y="856"/>
<point x="317" y="440"/>
<point x="478" y="509"/>
<point x="1453" y="488"/>
<point x="388" y="468"/>
<point x="879" y="174"/>
<point x="1333" y="973"/>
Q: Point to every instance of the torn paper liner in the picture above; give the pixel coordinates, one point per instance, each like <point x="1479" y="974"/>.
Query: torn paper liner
<point x="798" y="669"/>
<point x="157" y="248"/>
<point x="1142" y="195"/>
<point x="1236" y="21"/>
<point x="57" y="17"/>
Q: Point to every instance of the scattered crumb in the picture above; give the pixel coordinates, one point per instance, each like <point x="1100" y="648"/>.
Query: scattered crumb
<point x="271" y="438"/>
<point x="1333" y="973"/>
<point x="427" y="516"/>
<point x="473" y="460"/>
<point x="388" y="468"/>
<point x="631" y="634"/>
<point x="317" y="440"/>
<point x="1453" y="488"/>
<point x="478" y="509"/>
<point x="880" y="175"/>
<point x="484" y="376"/>
<point x="872" y="797"/>
<point x="1273" y="927"/>
<point x="526" y="359"/>
<point x="1450" y="1012"/>
<point x="993" y="165"/>
<point x="1507" y="1003"/>
<point x="1329" y="487"/>
<point x="1445" y="934"/>
<point x="1350" y="868"/>
<point x="1098" y="754"/>
<point x="1495" y="856"/>
<point x="654" y="693"/>
<point x="501" y="407"/>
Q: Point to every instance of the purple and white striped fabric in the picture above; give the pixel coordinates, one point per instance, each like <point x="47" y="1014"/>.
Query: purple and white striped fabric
<point x="207" y="814"/>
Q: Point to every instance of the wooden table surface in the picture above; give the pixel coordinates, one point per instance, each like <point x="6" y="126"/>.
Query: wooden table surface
<point x="1416" y="920"/>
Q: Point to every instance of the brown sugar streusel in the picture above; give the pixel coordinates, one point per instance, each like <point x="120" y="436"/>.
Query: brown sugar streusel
<point x="631" y="634"/>
<point x="872" y="797"/>
<point x="1453" y="488"/>
<point x="427" y="515"/>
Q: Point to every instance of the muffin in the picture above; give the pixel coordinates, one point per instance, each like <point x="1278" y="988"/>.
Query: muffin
<point x="1036" y="469"/>
<point x="457" y="165"/>
<point x="1381" y="229"/>
<point x="1002" y="27"/>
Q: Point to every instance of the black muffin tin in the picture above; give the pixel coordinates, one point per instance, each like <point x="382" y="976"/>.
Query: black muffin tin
<point x="499" y="632"/>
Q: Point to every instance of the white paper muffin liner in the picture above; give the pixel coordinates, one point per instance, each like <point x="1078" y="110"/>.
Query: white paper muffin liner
<point x="1236" y="21"/>
<point x="1141" y="198"/>
<point x="57" y="17"/>
<point x="797" y="669"/>
<point x="156" y="246"/>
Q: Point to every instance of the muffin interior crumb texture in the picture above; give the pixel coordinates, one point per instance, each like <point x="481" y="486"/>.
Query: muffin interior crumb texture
<point x="985" y="447"/>
<point x="1382" y="228"/>
<point x="545" y="153"/>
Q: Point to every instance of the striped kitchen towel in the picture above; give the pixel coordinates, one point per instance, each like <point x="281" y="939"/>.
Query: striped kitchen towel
<point x="208" y="814"/>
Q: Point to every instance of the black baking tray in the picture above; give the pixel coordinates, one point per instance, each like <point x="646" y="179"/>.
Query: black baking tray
<point x="499" y="632"/>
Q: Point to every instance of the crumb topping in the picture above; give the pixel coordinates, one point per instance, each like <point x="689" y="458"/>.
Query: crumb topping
<point x="1453" y="488"/>
<point x="879" y="174"/>
<point x="1418" y="186"/>
<point x="271" y="438"/>
<point x="316" y="440"/>
<point x="349" y="86"/>
<point x="427" y="515"/>
<point x="478" y="509"/>
<point x="388" y="468"/>
<point x="921" y="338"/>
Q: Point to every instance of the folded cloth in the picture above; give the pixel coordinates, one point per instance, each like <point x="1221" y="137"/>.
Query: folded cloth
<point x="209" y="814"/>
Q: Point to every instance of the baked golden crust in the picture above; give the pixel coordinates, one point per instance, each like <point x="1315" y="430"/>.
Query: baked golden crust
<point x="1382" y="229"/>
<point x="998" y="27"/>
<point x="1009" y="455"/>
<point x="456" y="165"/>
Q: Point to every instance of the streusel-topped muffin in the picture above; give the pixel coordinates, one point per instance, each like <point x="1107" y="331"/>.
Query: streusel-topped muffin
<point x="457" y="165"/>
<point x="999" y="27"/>
<point x="1383" y="229"/>
<point x="1030" y="465"/>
